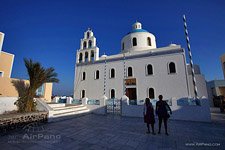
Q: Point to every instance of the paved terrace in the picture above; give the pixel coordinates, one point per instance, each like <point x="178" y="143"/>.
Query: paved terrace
<point x="113" y="132"/>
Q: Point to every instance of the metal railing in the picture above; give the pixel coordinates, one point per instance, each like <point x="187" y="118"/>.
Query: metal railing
<point x="113" y="106"/>
<point x="93" y="102"/>
<point x="62" y="100"/>
<point x="76" y="101"/>
<point x="188" y="102"/>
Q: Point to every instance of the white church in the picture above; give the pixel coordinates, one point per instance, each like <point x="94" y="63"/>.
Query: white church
<point x="139" y="70"/>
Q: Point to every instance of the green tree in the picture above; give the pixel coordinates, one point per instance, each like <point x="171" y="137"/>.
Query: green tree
<point x="38" y="75"/>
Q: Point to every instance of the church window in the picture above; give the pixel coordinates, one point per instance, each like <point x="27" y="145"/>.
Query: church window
<point x="86" y="56"/>
<point x="85" y="44"/>
<point x="112" y="73"/>
<point x="83" y="94"/>
<point x="151" y="93"/>
<point x="92" y="56"/>
<point x="123" y="46"/>
<point x="89" y="43"/>
<point x="80" y="57"/>
<point x="134" y="41"/>
<point x="83" y="76"/>
<point x="149" y="69"/>
<point x="1" y="73"/>
<point x="112" y="93"/>
<point x="149" y="41"/>
<point x="97" y="74"/>
<point x="130" y="72"/>
<point x="88" y="35"/>
<point x="172" y="67"/>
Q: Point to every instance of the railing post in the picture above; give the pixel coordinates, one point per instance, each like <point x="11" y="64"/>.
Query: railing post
<point x="113" y="105"/>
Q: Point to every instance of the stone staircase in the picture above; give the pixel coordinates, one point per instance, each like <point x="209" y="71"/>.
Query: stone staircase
<point x="63" y="111"/>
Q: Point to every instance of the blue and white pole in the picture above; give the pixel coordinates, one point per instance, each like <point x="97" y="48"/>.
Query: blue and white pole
<point x="104" y="77"/>
<point x="124" y="73"/>
<point x="190" y="57"/>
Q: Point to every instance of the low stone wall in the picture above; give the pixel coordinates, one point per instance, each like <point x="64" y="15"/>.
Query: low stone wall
<point x="187" y="113"/>
<point x="13" y="121"/>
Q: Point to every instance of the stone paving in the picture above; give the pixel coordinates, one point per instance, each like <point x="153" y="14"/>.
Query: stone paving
<point x="96" y="132"/>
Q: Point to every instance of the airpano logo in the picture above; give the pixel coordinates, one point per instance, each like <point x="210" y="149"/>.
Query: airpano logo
<point x="34" y="127"/>
<point x="35" y="133"/>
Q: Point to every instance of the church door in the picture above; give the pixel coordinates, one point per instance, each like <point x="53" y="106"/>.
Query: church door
<point x="131" y="93"/>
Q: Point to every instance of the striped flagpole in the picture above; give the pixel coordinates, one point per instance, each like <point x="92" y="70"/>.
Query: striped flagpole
<point x="124" y="73"/>
<point x="190" y="57"/>
<point x="105" y="77"/>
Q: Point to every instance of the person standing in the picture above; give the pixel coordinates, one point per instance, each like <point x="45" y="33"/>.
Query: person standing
<point x="149" y="117"/>
<point x="162" y="109"/>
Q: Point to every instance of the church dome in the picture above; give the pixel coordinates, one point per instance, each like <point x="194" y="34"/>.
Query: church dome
<point x="172" y="44"/>
<point x="103" y="56"/>
<point x="138" y="39"/>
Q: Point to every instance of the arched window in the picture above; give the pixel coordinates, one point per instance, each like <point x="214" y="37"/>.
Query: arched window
<point x="82" y="94"/>
<point x="80" y="57"/>
<point x="149" y="69"/>
<point x="112" y="73"/>
<point x="130" y="72"/>
<point x="86" y="57"/>
<point x="134" y="41"/>
<point x="123" y="46"/>
<point x="172" y="67"/>
<point x="89" y="43"/>
<point x="92" y="56"/>
<point x="85" y="45"/>
<point x="83" y="76"/>
<point x="112" y="93"/>
<point x="88" y="35"/>
<point x="151" y="93"/>
<point x="97" y="74"/>
<point x="149" y="41"/>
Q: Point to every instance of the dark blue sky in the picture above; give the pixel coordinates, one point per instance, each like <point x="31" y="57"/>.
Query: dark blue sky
<point x="49" y="31"/>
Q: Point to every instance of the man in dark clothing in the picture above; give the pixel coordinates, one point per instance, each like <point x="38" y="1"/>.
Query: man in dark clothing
<point x="162" y="109"/>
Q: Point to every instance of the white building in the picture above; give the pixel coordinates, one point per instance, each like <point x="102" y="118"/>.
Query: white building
<point x="141" y="69"/>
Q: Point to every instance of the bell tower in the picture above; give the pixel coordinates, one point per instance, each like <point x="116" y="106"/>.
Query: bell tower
<point x="88" y="51"/>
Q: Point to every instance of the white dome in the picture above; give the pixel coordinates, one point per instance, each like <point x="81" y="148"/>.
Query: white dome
<point x="104" y="56"/>
<point x="138" y="39"/>
<point x="173" y="44"/>
<point x="137" y="25"/>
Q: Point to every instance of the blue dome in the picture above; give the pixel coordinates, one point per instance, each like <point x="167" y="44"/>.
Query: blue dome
<point x="138" y="30"/>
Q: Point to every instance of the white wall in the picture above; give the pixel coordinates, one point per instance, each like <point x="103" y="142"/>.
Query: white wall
<point x="188" y="113"/>
<point x="7" y="104"/>
<point x="1" y="40"/>
<point x="169" y="85"/>
<point x="201" y="85"/>
<point x="192" y="113"/>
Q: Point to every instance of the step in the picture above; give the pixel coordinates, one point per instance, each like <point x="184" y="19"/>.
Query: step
<point x="59" y="114"/>
<point x="66" y="110"/>
<point x="68" y="107"/>
<point x="57" y="105"/>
